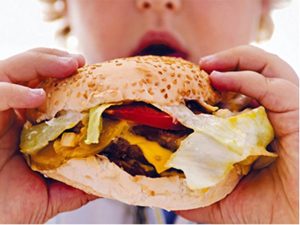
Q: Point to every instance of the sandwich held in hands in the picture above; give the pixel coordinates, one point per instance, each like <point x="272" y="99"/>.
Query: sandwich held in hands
<point x="146" y="131"/>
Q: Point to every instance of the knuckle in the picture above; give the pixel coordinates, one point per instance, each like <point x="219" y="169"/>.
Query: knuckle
<point x="265" y="93"/>
<point x="34" y="54"/>
<point x="36" y="50"/>
<point x="39" y="49"/>
<point x="245" y="48"/>
<point x="274" y="57"/>
<point x="56" y="51"/>
<point x="250" y="49"/>
<point x="50" y="51"/>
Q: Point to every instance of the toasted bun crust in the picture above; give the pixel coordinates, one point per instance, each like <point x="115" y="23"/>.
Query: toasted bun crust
<point x="96" y="175"/>
<point x="152" y="79"/>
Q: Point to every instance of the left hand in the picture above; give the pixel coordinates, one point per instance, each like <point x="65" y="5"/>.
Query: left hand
<point x="26" y="196"/>
<point x="270" y="195"/>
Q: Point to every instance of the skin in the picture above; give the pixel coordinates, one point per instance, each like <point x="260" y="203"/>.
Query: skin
<point x="187" y="21"/>
<point x="266" y="196"/>
<point x="26" y="197"/>
<point x="270" y="195"/>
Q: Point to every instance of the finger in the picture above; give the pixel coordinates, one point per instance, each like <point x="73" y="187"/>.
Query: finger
<point x="273" y="93"/>
<point x="249" y="58"/>
<point x="34" y="64"/>
<point x="65" y="198"/>
<point x="17" y="96"/>
<point x="58" y="52"/>
<point x="210" y="214"/>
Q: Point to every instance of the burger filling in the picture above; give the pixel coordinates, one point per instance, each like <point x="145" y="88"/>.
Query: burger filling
<point x="155" y="141"/>
<point x="137" y="137"/>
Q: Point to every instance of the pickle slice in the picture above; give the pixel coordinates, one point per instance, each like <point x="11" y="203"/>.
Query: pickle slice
<point x="37" y="137"/>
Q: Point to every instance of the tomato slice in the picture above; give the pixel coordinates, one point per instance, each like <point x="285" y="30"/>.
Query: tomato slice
<point x="144" y="115"/>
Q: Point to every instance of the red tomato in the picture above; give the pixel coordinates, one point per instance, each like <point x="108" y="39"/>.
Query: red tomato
<point x="144" y="115"/>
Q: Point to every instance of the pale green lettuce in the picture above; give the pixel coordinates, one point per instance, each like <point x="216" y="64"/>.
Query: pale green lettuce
<point x="38" y="136"/>
<point x="95" y="124"/>
<point x="208" y="154"/>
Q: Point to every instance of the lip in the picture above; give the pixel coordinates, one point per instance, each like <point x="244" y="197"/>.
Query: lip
<point x="160" y="38"/>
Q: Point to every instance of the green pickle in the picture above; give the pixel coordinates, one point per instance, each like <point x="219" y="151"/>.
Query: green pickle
<point x="54" y="154"/>
<point x="35" y="138"/>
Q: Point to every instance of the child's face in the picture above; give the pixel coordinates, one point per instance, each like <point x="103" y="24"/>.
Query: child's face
<point x="189" y="28"/>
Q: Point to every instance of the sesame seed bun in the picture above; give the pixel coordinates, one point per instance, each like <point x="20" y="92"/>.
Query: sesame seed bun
<point x="151" y="79"/>
<point x="98" y="176"/>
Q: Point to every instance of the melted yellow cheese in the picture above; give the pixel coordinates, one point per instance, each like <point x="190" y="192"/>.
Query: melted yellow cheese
<point x="153" y="152"/>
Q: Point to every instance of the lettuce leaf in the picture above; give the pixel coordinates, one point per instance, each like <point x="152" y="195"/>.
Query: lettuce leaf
<point x="208" y="154"/>
<point x="37" y="137"/>
<point x="95" y="124"/>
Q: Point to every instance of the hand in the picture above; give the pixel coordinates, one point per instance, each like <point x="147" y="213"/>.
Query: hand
<point x="25" y="196"/>
<point x="269" y="195"/>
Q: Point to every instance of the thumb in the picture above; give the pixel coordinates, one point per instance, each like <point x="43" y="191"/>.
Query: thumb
<point x="273" y="93"/>
<point x="64" y="198"/>
<point x="17" y="96"/>
<point x="210" y="214"/>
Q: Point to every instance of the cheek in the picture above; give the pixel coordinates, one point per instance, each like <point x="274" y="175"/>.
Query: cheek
<point x="101" y="27"/>
<point x="220" y="25"/>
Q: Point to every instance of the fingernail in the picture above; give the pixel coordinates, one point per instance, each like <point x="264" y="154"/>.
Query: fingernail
<point x="76" y="55"/>
<point x="73" y="58"/>
<point x="68" y="62"/>
<point x="37" y="91"/>
<point x="80" y="59"/>
<point x="206" y="59"/>
<point x="216" y="73"/>
<point x="65" y="58"/>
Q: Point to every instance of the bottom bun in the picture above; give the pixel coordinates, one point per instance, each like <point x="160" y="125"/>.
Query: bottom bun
<point x="98" y="176"/>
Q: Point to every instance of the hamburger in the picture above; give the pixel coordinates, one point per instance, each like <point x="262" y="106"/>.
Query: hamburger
<point x="146" y="131"/>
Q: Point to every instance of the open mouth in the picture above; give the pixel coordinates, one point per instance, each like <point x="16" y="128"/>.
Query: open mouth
<point x="160" y="44"/>
<point x="161" y="50"/>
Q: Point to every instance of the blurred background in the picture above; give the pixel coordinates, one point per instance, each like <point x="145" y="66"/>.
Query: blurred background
<point x="22" y="27"/>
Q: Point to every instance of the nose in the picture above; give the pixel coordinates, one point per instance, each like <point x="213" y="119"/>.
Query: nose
<point x="158" y="5"/>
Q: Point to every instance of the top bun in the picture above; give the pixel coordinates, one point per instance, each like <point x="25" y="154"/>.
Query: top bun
<point x="151" y="79"/>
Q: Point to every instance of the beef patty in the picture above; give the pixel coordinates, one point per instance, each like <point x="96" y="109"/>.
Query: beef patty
<point x="130" y="157"/>
<point x="166" y="138"/>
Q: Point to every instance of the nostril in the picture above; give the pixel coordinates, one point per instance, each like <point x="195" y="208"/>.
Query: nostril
<point x="158" y="5"/>
<point x="170" y="5"/>
<point x="143" y="4"/>
<point x="146" y="5"/>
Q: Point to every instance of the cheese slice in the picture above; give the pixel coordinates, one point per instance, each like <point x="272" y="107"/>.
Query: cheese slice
<point x="153" y="152"/>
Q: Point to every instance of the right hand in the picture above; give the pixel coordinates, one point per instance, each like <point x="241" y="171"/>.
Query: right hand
<point x="26" y="196"/>
<point x="270" y="195"/>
